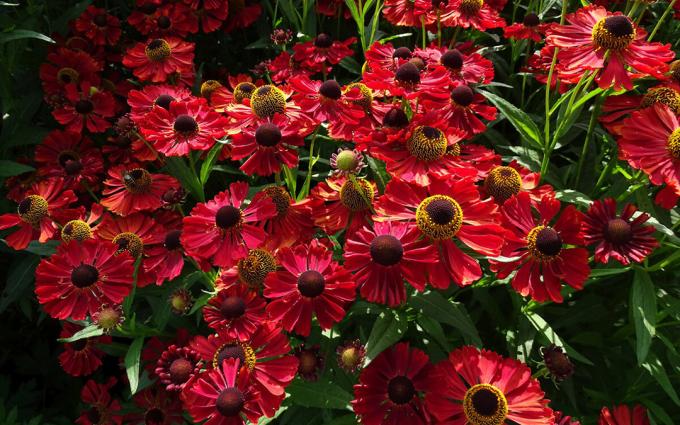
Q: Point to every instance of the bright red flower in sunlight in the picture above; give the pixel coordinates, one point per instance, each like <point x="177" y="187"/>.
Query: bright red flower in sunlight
<point x="65" y="66"/>
<point x="265" y="102"/>
<point x="177" y="367"/>
<point x="293" y="220"/>
<point x="470" y="13"/>
<point x="606" y="43"/>
<point x="250" y="271"/>
<point x="391" y="388"/>
<point x="224" y="229"/>
<point x="408" y="79"/>
<point x="103" y="408"/>
<point x="34" y="215"/>
<point x="460" y="107"/>
<point x="622" y="237"/>
<point x="143" y="101"/>
<point x="311" y="284"/>
<point x="466" y="67"/>
<point x="70" y="156"/>
<point x="236" y="310"/>
<point x="539" y="250"/>
<point x="80" y="357"/>
<point x="530" y="28"/>
<point x="184" y="127"/>
<point x="445" y="212"/>
<point x="80" y="277"/>
<point x="225" y="396"/>
<point x="407" y="13"/>
<point x="98" y="26"/>
<point x="132" y="189"/>
<point x="502" y="182"/>
<point x="624" y="415"/>
<point x="159" y="58"/>
<point x="383" y="257"/>
<point x="347" y="203"/>
<point x="85" y="108"/>
<point x="323" y="49"/>
<point x="475" y="387"/>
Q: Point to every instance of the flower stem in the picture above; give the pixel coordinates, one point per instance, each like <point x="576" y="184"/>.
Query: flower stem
<point x="661" y="19"/>
<point x="589" y="135"/>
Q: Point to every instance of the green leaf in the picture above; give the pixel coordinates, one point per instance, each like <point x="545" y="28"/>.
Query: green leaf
<point x="573" y="197"/>
<point x="22" y="34"/>
<point x="87" y="332"/>
<point x="206" y="167"/>
<point x="387" y="330"/>
<point x="179" y="169"/>
<point x="542" y="326"/>
<point x="643" y="309"/>
<point x="19" y="278"/>
<point x="11" y="168"/>
<point x="132" y="363"/>
<point x="452" y="313"/>
<point x="324" y="395"/>
<point x="655" y="368"/>
<point x="526" y="127"/>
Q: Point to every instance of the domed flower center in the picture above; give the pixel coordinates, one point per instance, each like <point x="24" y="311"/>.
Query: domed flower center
<point x="185" y="125"/>
<point x="130" y="242"/>
<point x="418" y="62"/>
<point x="67" y="75"/>
<point x="180" y="370"/>
<point x="84" y="106"/>
<point x="100" y="20"/>
<point x="267" y="101"/>
<point x="230" y="402"/>
<point x="471" y="7"/>
<point x="137" y="180"/>
<point x="452" y="59"/>
<point x="544" y="243"/>
<point x="108" y="318"/>
<point x="243" y="90"/>
<point x="673" y="145"/>
<point x="154" y="416"/>
<point x="311" y="283"/>
<point x="33" y="209"/>
<point x="502" y="183"/>
<point x="180" y="301"/>
<point x="280" y="197"/>
<point x="241" y="351"/>
<point x="675" y="69"/>
<point x="172" y="240"/>
<point x="157" y="50"/>
<point x="330" y="89"/>
<point x="531" y="20"/>
<point x="462" y="95"/>
<point x="268" y="135"/>
<point x="395" y="118"/>
<point x="228" y="216"/>
<point x="350" y="357"/>
<point x="386" y="250"/>
<point x="408" y="73"/>
<point x="208" y="87"/>
<point x="400" y="389"/>
<point x="356" y="195"/>
<point x="76" y="230"/>
<point x="164" y="101"/>
<point x="366" y="95"/>
<point x="233" y="307"/>
<point x="402" y="53"/>
<point x="323" y="41"/>
<point x="163" y="22"/>
<point x="253" y="269"/>
<point x="347" y="160"/>
<point x="613" y="33"/>
<point x="618" y="231"/>
<point x="664" y="95"/>
<point x="84" y="275"/>
<point x="308" y="362"/>
<point x="173" y="195"/>
<point x="73" y="167"/>
<point x="439" y="217"/>
<point x="485" y="404"/>
<point x="427" y="143"/>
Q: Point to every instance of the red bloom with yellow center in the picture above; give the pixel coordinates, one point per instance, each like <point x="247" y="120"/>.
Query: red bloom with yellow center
<point x="80" y="357"/>
<point x="311" y="284"/>
<point x="540" y="248"/>
<point x="265" y="102"/>
<point x="530" y="28"/>
<point x="464" y="65"/>
<point x="477" y="14"/>
<point x="159" y="58"/>
<point x="293" y="220"/>
<point x="501" y="182"/>
<point x="236" y="310"/>
<point x="132" y="189"/>
<point x="70" y="156"/>
<point x="348" y="203"/>
<point x="65" y="66"/>
<point x="85" y="108"/>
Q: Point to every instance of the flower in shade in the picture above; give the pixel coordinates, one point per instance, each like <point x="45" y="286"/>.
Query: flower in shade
<point x="293" y="220"/>
<point x="34" y="216"/>
<point x="622" y="237"/>
<point x="177" y="366"/>
<point x="103" y="409"/>
<point x="80" y="277"/>
<point x="310" y="284"/>
<point x="180" y="301"/>
<point x="659" y="155"/>
<point x="212" y="14"/>
<point x="242" y="14"/>
<point x="624" y="415"/>
<point x="351" y="355"/>
<point x="607" y="43"/>
<point x="157" y="59"/>
<point x="382" y="257"/>
<point x="108" y="317"/>
<point x="529" y="29"/>
<point x="461" y="108"/>
<point x="235" y="310"/>
<point x="311" y="362"/>
<point x="323" y="49"/>
<point x="143" y="101"/>
<point x="347" y="203"/>
<point x="80" y="357"/>
<point x="85" y="107"/>
<point x="477" y="14"/>
<point x="446" y="212"/>
<point x="562" y="419"/>
<point x="155" y="406"/>
<point x="539" y="248"/>
<point x="70" y="156"/>
<point x="391" y="388"/>
<point x="557" y="362"/>
<point x="224" y="229"/>
<point x="184" y="127"/>
<point x="80" y="228"/>
<point x="504" y="181"/>
<point x="66" y="66"/>
<point x="166" y="19"/>
<point x="132" y="189"/>
<point x="482" y="387"/>
<point x="225" y="396"/>
<point x="98" y="27"/>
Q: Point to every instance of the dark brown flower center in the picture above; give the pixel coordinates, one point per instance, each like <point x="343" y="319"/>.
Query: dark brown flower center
<point x="154" y="416"/>
<point x="485" y="402"/>
<point x="137" y="180"/>
<point x="427" y="143"/>
<point x="84" y="275"/>
<point x="230" y="402"/>
<point x="439" y="217"/>
<point x="395" y="118"/>
<point x="233" y="307"/>
<point x="618" y="26"/>
<point x="557" y="362"/>
<point x="323" y="41"/>
<point x="268" y="135"/>
<point x="462" y="95"/>
<point x="73" y="167"/>
<point x="386" y="250"/>
<point x="531" y="20"/>
<point x="228" y="216"/>
<point x="185" y="125"/>
<point x="234" y="351"/>
<point x="100" y="20"/>
<point x="402" y="53"/>
<point x="172" y="240"/>
<point x="164" y="101"/>
<point x="452" y="59"/>
<point x="618" y="231"/>
<point x="408" y="73"/>
<point x="548" y="242"/>
<point x="400" y="390"/>
<point x="67" y="75"/>
<point x="311" y="283"/>
<point x="180" y="370"/>
<point x="330" y="89"/>
<point x="440" y="211"/>
<point x="613" y="33"/>
<point x="84" y="106"/>
<point x="164" y="22"/>
<point x="308" y="362"/>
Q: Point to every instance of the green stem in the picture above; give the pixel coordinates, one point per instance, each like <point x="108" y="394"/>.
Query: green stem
<point x="308" y="178"/>
<point x="604" y="174"/>
<point x="422" y="26"/>
<point x="589" y="135"/>
<point x="661" y="19"/>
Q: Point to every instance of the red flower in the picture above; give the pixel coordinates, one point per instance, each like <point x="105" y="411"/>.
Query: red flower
<point x="66" y="66"/>
<point x="159" y="58"/>
<point x="391" y="388"/>
<point x="619" y="236"/>
<point x="624" y="415"/>
<point x="348" y="203"/>
<point x="167" y="19"/>
<point x="264" y="103"/>
<point x="177" y="367"/>
<point x="460" y="108"/>
<point x="312" y="283"/>
<point x="659" y="155"/>
<point x="80" y="357"/>
<point x="483" y="387"/>
<point x="383" y="257"/>
<point x="186" y="126"/>
<point x="82" y="276"/>
<point x="212" y="13"/>
<point x="132" y="190"/>
<point x="243" y="88"/>
<point x="470" y="13"/>
<point x="446" y="211"/>
<point x="385" y="56"/>
<point x="86" y="108"/>
<point x="529" y="29"/>
<point x="98" y="27"/>
<point x="235" y="310"/>
<point x="166" y="260"/>
<point x="542" y="258"/>
<point x="250" y="271"/>
<point x="504" y="181"/>
<point x="157" y="407"/>
<point x="408" y="79"/>
<point x="242" y="14"/>
<point x="224" y="229"/>
<point x="464" y="67"/>
<point x="407" y="13"/>
<point x="70" y="156"/>
<point x="323" y="49"/>
<point x="34" y="214"/>
<point x="143" y="101"/>
<point x="607" y="43"/>
<point x="225" y="396"/>
<point x="293" y="220"/>
<point x="103" y="408"/>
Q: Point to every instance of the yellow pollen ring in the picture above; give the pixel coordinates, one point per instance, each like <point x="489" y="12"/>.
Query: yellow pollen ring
<point x="606" y="40"/>
<point x="268" y="100"/>
<point x="356" y="195"/>
<point x="366" y="93"/>
<point x="471" y="7"/>
<point x="502" y="183"/>
<point x="673" y="145"/>
<point x="76" y="230"/>
<point x="253" y="269"/>
<point x="157" y="50"/>
<point x="664" y="95"/>
<point x="439" y="217"/>
<point x="33" y="209"/>
<point x="485" y="404"/>
<point x="130" y="242"/>
<point x="248" y="353"/>
<point x="427" y="144"/>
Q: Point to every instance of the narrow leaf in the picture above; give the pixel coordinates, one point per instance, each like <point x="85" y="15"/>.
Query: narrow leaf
<point x="643" y="308"/>
<point x="11" y="168"/>
<point x="542" y="326"/>
<point x="526" y="127"/>
<point x="434" y="305"/>
<point x="132" y="363"/>
<point x="655" y="368"/>
<point x="87" y="332"/>
<point x="387" y="330"/>
<point x="22" y="34"/>
<point x="323" y="395"/>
